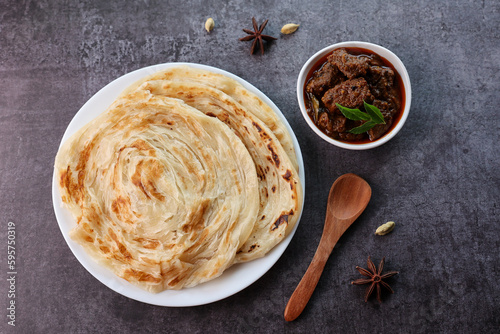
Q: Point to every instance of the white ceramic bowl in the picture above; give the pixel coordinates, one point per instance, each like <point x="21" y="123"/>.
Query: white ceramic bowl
<point x="381" y="51"/>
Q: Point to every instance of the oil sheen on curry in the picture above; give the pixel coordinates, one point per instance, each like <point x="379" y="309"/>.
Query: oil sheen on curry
<point x="349" y="76"/>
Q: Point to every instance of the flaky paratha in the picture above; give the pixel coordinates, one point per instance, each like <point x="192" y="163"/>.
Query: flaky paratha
<point x="251" y="102"/>
<point x="163" y="194"/>
<point x="179" y="179"/>
<point x="279" y="184"/>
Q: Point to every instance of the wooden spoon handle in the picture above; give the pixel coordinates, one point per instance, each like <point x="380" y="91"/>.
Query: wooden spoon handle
<point x="305" y="289"/>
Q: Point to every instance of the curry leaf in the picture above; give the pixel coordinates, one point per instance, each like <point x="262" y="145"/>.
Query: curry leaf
<point x="372" y="116"/>
<point x="353" y="114"/>
<point x="363" y="128"/>
<point x="374" y="113"/>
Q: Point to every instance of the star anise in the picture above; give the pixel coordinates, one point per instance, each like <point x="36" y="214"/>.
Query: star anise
<point x="375" y="279"/>
<point x="257" y="36"/>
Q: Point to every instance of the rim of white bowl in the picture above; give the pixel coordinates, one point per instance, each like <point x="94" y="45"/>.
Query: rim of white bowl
<point x="381" y="51"/>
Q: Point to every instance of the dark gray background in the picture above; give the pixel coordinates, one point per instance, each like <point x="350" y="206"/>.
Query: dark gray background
<point x="438" y="178"/>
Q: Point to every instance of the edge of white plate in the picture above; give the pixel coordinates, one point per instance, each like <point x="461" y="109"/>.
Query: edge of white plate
<point x="234" y="279"/>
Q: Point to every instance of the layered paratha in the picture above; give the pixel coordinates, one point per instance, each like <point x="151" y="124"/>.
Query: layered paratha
<point x="164" y="195"/>
<point x="185" y="174"/>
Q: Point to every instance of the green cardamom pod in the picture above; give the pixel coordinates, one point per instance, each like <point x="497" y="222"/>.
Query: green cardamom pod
<point x="385" y="228"/>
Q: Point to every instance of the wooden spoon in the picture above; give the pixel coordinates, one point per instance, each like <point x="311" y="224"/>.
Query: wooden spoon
<point x="348" y="198"/>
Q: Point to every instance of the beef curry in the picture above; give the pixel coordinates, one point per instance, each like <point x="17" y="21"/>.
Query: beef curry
<point x="350" y="77"/>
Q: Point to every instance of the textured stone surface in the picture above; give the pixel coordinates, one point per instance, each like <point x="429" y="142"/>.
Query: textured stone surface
<point x="438" y="179"/>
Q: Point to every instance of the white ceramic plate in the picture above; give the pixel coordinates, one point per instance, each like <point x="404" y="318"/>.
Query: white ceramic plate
<point x="234" y="279"/>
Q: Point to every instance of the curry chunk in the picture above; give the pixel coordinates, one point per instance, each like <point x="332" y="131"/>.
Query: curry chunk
<point x="381" y="81"/>
<point x="328" y="76"/>
<point x="349" y="94"/>
<point x="351" y="66"/>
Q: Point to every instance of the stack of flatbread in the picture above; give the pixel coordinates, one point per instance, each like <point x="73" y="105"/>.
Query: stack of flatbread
<point x="185" y="174"/>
